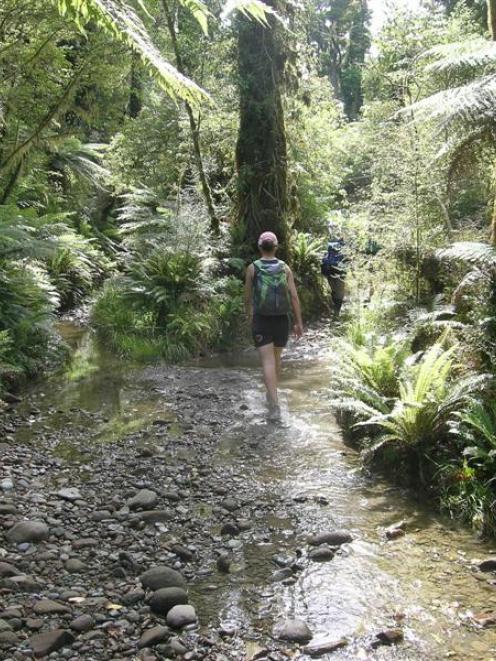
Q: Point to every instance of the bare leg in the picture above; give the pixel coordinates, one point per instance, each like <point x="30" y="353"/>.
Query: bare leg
<point x="277" y="354"/>
<point x="269" y="367"/>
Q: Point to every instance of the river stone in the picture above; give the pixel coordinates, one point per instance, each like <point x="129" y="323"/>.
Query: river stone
<point x="6" y="569"/>
<point x="164" y="599"/>
<point x="5" y="626"/>
<point x="230" y="504"/>
<point x="82" y="623"/>
<point x="70" y="493"/>
<point x="488" y="565"/>
<point x="325" y="647"/>
<point x="153" y="636"/>
<point x="49" y="607"/>
<point x="295" y="631"/>
<point x="322" y="553"/>
<point x="230" y="529"/>
<point x="156" y="516"/>
<point x="143" y="500"/>
<point x="7" y="508"/>
<point x="162" y="577"/>
<point x="7" y="484"/>
<point x="28" y="531"/>
<point x="75" y="566"/>
<point x="332" y="537"/>
<point x="390" y="636"/>
<point x="43" y="644"/>
<point x="180" y="616"/>
<point x="8" y="638"/>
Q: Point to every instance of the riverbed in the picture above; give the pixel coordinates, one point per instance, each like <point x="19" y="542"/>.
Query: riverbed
<point x="234" y="486"/>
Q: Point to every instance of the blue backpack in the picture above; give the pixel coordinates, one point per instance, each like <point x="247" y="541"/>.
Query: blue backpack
<point x="333" y="258"/>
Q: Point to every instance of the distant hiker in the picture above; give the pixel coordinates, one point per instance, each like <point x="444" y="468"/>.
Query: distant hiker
<point x="270" y="297"/>
<point x="333" y="267"/>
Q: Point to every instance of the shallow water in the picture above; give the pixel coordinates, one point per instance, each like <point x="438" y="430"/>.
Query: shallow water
<point x="424" y="581"/>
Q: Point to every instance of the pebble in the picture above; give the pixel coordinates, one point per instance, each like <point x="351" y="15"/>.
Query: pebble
<point x="70" y="493"/>
<point x="319" y="648"/>
<point x="82" y="623"/>
<point x="49" y="607"/>
<point x="164" y="599"/>
<point x="43" y="644"/>
<point x="295" y="631"/>
<point x="162" y="577"/>
<point x="28" y="531"/>
<point x="153" y="636"/>
<point x="332" y="537"/>
<point x="181" y="616"/>
<point x="322" y="553"/>
<point x="145" y="499"/>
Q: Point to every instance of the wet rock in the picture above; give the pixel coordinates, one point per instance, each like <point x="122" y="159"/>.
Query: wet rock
<point x="223" y="564"/>
<point x="82" y="623"/>
<point x="230" y="504"/>
<point x="8" y="638"/>
<point x="332" y="538"/>
<point x="162" y="577"/>
<point x="7" y="508"/>
<point x="181" y="616"/>
<point x="394" y="533"/>
<point x="295" y="631"/>
<point x="49" y="607"/>
<point x="164" y="599"/>
<point x="182" y="552"/>
<point x="7" y="484"/>
<point x="281" y="575"/>
<point x="230" y="529"/>
<point x="28" y="531"/>
<point x="6" y="569"/>
<point x="389" y="637"/>
<point x="488" y="565"/>
<point x="143" y="500"/>
<point x="322" y="553"/>
<point x="5" y="626"/>
<point x="325" y="647"/>
<point x="153" y="636"/>
<point x="484" y="620"/>
<point x="156" y="516"/>
<point x="43" y="644"/>
<point x="75" y="566"/>
<point x="70" y="493"/>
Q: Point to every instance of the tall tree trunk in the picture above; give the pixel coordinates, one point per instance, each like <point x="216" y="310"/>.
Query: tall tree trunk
<point x="491" y="18"/>
<point x="135" y="102"/>
<point x="194" y="126"/>
<point x="261" y="155"/>
<point x="491" y="24"/>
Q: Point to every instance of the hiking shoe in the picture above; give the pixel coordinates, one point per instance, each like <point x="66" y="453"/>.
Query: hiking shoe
<point x="274" y="414"/>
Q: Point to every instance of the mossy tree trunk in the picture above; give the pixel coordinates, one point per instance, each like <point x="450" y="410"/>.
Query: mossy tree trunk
<point x="261" y="154"/>
<point x="491" y="24"/>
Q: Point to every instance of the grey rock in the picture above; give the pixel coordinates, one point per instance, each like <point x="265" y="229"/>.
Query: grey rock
<point x="230" y="504"/>
<point x="325" y="647"/>
<point x="75" y="566"/>
<point x="70" y="493"/>
<point x="182" y="552"/>
<point x="229" y="529"/>
<point x="164" y="599"/>
<point x="389" y="637"/>
<point x="5" y="626"/>
<point x="6" y="569"/>
<point x="82" y="623"/>
<point x="488" y="565"/>
<point x="156" y="516"/>
<point x="28" y="531"/>
<point x="162" y="577"/>
<point x="43" y="644"/>
<point x="143" y="500"/>
<point x="180" y="616"/>
<point x="7" y="508"/>
<point x="23" y="583"/>
<point x="8" y="638"/>
<point x="49" y="607"/>
<point x="153" y="636"/>
<point x="34" y="623"/>
<point x="223" y="563"/>
<point x="295" y="631"/>
<point x="332" y="537"/>
<point x="7" y="484"/>
<point x="322" y="553"/>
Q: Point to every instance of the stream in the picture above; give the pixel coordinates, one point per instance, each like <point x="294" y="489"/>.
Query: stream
<point x="198" y="436"/>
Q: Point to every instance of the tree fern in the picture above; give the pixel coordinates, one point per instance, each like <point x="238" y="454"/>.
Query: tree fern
<point x="461" y="57"/>
<point x="471" y="252"/>
<point x="121" y="22"/>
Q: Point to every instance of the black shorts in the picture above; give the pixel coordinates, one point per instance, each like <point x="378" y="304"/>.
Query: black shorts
<point x="270" y="330"/>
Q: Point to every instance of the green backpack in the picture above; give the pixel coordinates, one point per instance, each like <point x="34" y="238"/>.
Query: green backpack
<point x="270" y="292"/>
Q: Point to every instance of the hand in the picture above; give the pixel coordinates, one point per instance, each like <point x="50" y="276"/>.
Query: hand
<point x="298" y="330"/>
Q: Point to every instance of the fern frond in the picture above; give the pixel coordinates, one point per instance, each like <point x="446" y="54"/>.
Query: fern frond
<point x="255" y="9"/>
<point x="472" y="104"/>
<point x="119" y="20"/>
<point x="471" y="252"/>
<point x="473" y="54"/>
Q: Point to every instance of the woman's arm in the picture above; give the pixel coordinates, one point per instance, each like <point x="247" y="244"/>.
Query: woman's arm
<point x="249" y="291"/>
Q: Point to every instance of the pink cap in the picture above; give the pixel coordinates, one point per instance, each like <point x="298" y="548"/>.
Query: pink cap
<point x="267" y="236"/>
